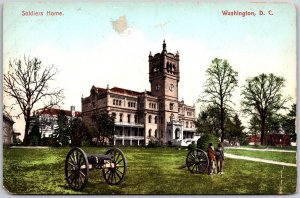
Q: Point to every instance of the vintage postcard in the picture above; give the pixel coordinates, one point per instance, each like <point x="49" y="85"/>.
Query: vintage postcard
<point x="149" y="98"/>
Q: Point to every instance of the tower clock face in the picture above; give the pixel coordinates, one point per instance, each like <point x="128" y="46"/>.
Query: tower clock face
<point x="171" y="87"/>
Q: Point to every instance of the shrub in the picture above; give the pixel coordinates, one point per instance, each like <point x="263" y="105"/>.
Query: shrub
<point x="192" y="146"/>
<point x="152" y="144"/>
<point x="203" y="141"/>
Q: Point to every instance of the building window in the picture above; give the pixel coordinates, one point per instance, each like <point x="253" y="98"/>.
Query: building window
<point x="155" y="119"/>
<point x="121" y="117"/>
<point x="128" y="104"/>
<point x="128" y="118"/>
<point x="177" y="134"/>
<point x="120" y="102"/>
<point x="114" y="102"/>
<point x="187" y="125"/>
<point x="189" y="113"/>
<point x="149" y="119"/>
<point x="135" y="119"/>
<point x="155" y="133"/>
<point x="171" y="106"/>
<point x="149" y="132"/>
<point x="161" y="120"/>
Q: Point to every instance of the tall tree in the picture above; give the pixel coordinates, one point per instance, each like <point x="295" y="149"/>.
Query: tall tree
<point x="220" y="83"/>
<point x="77" y="131"/>
<point x="27" y="82"/>
<point x="62" y="132"/>
<point x="262" y="96"/>
<point x="105" y="125"/>
<point x="35" y="134"/>
<point x="289" y="121"/>
<point x="208" y="121"/>
<point x="234" y="130"/>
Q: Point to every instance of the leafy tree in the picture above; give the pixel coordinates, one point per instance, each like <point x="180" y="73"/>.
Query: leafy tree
<point x="220" y="84"/>
<point x="27" y="82"/>
<point x="35" y="135"/>
<point x="261" y="97"/>
<point x="234" y="130"/>
<point x="62" y="133"/>
<point x="105" y="125"/>
<point x="289" y="121"/>
<point x="78" y="131"/>
<point x="208" y="121"/>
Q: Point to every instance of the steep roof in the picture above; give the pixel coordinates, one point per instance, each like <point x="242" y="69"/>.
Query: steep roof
<point x="125" y="91"/>
<point x="53" y="111"/>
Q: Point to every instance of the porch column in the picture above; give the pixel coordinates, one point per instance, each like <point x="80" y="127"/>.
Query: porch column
<point x="123" y="134"/>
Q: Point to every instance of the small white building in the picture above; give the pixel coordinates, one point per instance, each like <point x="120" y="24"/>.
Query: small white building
<point x="47" y="119"/>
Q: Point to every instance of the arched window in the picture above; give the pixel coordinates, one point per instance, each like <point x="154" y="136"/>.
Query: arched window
<point x="121" y="117"/>
<point x="177" y="134"/>
<point x="149" y="119"/>
<point x="155" y="133"/>
<point x="135" y="119"/>
<point x="128" y="118"/>
<point x="149" y="132"/>
<point x="120" y="102"/>
<point x="155" y="119"/>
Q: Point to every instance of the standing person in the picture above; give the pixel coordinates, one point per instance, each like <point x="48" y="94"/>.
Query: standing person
<point x="220" y="158"/>
<point x="211" y="158"/>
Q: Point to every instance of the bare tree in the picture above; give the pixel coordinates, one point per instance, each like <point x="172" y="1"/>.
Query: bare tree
<point x="28" y="84"/>
<point x="262" y="96"/>
<point x="221" y="81"/>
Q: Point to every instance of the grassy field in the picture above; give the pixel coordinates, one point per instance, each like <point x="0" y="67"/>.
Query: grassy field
<point x="269" y="155"/>
<point x="150" y="171"/>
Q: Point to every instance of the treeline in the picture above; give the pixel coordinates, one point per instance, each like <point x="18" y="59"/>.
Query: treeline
<point x="262" y="101"/>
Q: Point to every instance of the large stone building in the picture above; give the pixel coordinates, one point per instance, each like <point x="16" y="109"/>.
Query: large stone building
<point x="150" y="115"/>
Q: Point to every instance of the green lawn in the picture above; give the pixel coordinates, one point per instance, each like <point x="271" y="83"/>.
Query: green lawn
<point x="268" y="155"/>
<point x="150" y="171"/>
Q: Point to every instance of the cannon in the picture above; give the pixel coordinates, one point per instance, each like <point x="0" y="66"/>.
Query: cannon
<point x="197" y="161"/>
<point x="78" y="164"/>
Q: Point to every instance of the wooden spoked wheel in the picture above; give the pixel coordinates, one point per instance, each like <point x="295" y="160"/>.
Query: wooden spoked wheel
<point x="76" y="169"/>
<point x="197" y="161"/>
<point x="115" y="169"/>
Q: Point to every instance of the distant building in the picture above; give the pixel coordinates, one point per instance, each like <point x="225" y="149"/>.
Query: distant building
<point x="47" y="119"/>
<point x="9" y="135"/>
<point x="148" y="115"/>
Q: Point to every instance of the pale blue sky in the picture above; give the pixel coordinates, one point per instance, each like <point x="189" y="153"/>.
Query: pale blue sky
<point x="88" y="51"/>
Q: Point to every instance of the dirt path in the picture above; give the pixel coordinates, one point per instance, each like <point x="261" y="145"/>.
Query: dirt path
<point x="258" y="160"/>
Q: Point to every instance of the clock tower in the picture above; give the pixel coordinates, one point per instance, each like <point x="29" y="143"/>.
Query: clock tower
<point x="164" y="78"/>
<point x="164" y="74"/>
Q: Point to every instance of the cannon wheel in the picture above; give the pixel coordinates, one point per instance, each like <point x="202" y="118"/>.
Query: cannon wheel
<point x="197" y="161"/>
<point x="76" y="169"/>
<point x="116" y="170"/>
